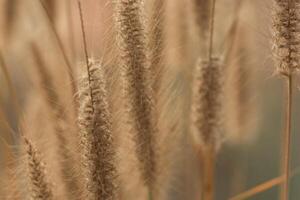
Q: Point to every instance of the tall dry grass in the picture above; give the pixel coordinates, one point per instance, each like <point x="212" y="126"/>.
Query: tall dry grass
<point x="39" y="186"/>
<point x="286" y="47"/>
<point x="97" y="141"/>
<point x="134" y="62"/>
<point x="146" y="108"/>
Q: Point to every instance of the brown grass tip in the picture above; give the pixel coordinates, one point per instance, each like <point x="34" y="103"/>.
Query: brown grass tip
<point x="286" y="35"/>
<point x="207" y="103"/>
<point x="96" y="135"/>
<point x="40" y="188"/>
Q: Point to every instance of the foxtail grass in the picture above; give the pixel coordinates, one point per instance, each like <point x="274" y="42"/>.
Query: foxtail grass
<point x="206" y="118"/>
<point x="38" y="183"/>
<point x="206" y="110"/>
<point x="134" y="63"/>
<point x="286" y="54"/>
<point x="96" y="136"/>
<point x="95" y="126"/>
<point x="207" y="101"/>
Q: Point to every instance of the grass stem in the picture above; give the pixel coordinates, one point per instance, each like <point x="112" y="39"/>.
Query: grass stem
<point x="287" y="138"/>
<point x="208" y="173"/>
<point x="211" y="36"/>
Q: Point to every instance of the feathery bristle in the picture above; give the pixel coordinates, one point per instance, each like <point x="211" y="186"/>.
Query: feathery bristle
<point x="40" y="188"/>
<point x="96" y="135"/>
<point x="206" y="103"/>
<point x="157" y="37"/>
<point x="286" y="35"/>
<point x="137" y="82"/>
<point x="286" y="52"/>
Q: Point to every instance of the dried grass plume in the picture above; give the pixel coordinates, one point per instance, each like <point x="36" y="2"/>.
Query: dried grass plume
<point x="134" y="63"/>
<point x="207" y="103"/>
<point x="39" y="185"/>
<point x="96" y="135"/>
<point x="286" y="35"/>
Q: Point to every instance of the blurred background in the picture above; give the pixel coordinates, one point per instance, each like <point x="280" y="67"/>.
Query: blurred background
<point x="245" y="160"/>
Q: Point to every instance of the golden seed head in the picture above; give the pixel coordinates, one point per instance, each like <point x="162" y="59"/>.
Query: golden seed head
<point x="207" y="103"/>
<point x="40" y="188"/>
<point x="137" y="79"/>
<point x="286" y="35"/>
<point x="96" y="135"/>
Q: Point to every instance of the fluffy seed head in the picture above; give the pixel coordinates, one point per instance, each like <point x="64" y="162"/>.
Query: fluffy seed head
<point x="40" y="188"/>
<point x="206" y="103"/>
<point x="137" y="82"/>
<point x="96" y="136"/>
<point x="286" y="35"/>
